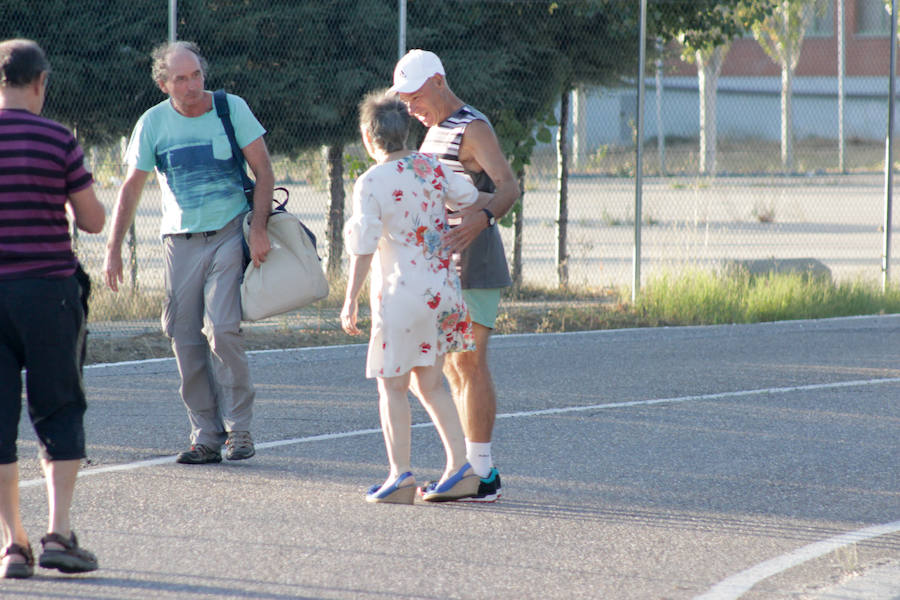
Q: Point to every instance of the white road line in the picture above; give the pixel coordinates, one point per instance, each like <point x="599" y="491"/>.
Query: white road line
<point x="727" y="589"/>
<point x="531" y="413"/>
<point x="736" y="585"/>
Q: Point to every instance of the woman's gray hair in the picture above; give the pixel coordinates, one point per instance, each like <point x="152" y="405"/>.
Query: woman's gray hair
<point x="386" y="118"/>
<point x="21" y="62"/>
<point x="160" y="55"/>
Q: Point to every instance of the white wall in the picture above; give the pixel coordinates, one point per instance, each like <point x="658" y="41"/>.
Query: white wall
<point x="747" y="108"/>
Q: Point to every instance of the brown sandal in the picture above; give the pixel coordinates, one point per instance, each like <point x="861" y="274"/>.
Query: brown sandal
<point x="17" y="570"/>
<point x="71" y="559"/>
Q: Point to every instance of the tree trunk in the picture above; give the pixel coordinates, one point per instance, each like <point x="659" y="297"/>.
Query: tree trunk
<point x="562" y="221"/>
<point x="335" y="167"/>
<point x="709" y="66"/>
<point x="518" y="226"/>
<point x="787" y="129"/>
<point x="579" y="122"/>
<point x="660" y="128"/>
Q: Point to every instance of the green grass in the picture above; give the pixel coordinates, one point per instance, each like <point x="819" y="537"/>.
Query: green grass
<point x="690" y="297"/>
<point x="702" y="297"/>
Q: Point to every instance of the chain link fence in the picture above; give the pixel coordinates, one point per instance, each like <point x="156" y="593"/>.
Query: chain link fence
<point x="717" y="184"/>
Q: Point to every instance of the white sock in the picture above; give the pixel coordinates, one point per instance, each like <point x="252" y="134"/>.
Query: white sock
<point x="479" y="456"/>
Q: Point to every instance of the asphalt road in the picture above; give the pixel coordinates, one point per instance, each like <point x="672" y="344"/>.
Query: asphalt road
<point x="756" y="461"/>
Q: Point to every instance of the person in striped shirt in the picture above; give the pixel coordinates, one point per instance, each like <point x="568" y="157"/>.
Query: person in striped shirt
<point x="42" y="175"/>
<point x="463" y="139"/>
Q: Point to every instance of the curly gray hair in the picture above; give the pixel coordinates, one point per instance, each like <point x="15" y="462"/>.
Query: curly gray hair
<point x="160" y="55"/>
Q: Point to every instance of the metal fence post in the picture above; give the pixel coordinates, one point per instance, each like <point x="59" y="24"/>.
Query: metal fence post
<point x="889" y="156"/>
<point x="639" y="155"/>
<point x="842" y="53"/>
<point x="401" y="28"/>
<point x="173" y="15"/>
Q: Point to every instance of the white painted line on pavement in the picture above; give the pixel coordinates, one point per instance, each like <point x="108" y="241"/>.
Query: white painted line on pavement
<point x="717" y="396"/>
<point x="730" y="588"/>
<point x="736" y="585"/>
<point x="531" y="413"/>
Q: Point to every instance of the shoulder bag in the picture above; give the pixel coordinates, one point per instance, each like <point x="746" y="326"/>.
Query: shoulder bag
<point x="292" y="275"/>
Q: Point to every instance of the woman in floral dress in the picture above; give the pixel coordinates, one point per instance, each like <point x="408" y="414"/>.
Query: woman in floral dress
<point x="418" y="313"/>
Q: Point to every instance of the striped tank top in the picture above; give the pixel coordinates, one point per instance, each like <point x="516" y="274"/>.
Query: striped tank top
<point x="483" y="264"/>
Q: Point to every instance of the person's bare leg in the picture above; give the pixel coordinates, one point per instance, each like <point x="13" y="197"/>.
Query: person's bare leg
<point x="457" y="385"/>
<point x="10" y="518"/>
<point x="61" y="476"/>
<point x="393" y="406"/>
<point x="473" y="388"/>
<point x="439" y="404"/>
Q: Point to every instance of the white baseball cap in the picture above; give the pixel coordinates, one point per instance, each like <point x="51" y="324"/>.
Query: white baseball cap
<point x="414" y="69"/>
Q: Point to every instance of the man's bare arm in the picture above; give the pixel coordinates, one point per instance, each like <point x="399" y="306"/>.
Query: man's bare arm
<point x="89" y="213"/>
<point x="123" y="216"/>
<point x="480" y="148"/>
<point x="257" y="156"/>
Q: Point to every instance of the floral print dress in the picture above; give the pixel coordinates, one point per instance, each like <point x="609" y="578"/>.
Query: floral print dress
<point x="418" y="312"/>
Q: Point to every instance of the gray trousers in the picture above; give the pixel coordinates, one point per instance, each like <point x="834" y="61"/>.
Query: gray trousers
<point x="202" y="317"/>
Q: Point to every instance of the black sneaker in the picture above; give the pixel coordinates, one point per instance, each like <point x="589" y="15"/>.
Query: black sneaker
<point x="199" y="455"/>
<point x="488" y="489"/>
<point x="239" y="445"/>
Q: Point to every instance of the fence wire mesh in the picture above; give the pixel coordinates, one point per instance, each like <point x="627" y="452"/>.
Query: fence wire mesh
<point x="733" y="168"/>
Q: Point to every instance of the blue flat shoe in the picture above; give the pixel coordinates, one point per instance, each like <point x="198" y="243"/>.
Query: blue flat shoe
<point x="401" y="491"/>
<point x="462" y="484"/>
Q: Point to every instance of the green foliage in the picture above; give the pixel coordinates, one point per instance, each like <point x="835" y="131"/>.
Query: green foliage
<point x="705" y="24"/>
<point x="302" y="66"/>
<point x="99" y="56"/>
<point x="781" y="34"/>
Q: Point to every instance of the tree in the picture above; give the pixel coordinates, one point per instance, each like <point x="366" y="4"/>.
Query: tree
<point x="594" y="48"/>
<point x="598" y="44"/>
<point x="708" y="50"/>
<point x="100" y="68"/>
<point x="781" y="36"/>
<point x="303" y="67"/>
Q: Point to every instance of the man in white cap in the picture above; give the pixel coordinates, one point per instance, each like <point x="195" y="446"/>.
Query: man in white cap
<point x="463" y="139"/>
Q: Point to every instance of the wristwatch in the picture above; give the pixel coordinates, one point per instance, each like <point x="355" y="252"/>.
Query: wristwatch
<point x="491" y="220"/>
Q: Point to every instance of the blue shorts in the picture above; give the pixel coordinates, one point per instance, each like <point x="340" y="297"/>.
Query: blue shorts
<point x="483" y="305"/>
<point x="42" y="330"/>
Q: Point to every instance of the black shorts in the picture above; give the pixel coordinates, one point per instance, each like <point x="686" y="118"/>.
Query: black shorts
<point x="42" y="331"/>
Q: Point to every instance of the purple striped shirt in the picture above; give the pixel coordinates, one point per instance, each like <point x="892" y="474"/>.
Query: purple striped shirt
<point x="40" y="165"/>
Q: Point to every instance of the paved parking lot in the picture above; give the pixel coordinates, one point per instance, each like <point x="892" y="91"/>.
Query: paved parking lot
<point x="754" y="460"/>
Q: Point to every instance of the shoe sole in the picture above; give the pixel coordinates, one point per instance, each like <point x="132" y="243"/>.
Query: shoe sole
<point x="464" y="488"/>
<point x="66" y="563"/>
<point x="485" y="499"/>
<point x="403" y="495"/>
<point x="241" y="456"/>
<point x="17" y="571"/>
<point x="199" y="462"/>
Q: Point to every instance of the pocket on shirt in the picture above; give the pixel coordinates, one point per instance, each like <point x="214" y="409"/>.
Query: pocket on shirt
<point x="221" y="147"/>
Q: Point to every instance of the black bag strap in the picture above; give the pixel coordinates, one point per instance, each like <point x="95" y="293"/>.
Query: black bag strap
<point x="221" y="103"/>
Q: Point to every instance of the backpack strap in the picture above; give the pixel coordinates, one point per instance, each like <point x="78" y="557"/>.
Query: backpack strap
<point x="220" y="101"/>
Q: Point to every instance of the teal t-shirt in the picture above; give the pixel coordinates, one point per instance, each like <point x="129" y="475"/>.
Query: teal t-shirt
<point x="200" y="182"/>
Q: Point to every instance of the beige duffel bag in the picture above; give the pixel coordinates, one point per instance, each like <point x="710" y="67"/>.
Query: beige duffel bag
<point x="292" y="275"/>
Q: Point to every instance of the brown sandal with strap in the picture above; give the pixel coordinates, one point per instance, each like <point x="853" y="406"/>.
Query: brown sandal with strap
<point x="71" y="559"/>
<point x="17" y="570"/>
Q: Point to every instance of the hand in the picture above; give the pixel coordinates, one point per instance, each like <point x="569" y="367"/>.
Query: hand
<point x="348" y="317"/>
<point x="259" y="246"/>
<point x="474" y="221"/>
<point x="112" y="269"/>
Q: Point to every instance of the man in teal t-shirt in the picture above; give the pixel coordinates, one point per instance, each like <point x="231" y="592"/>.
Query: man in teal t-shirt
<point x="203" y="203"/>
